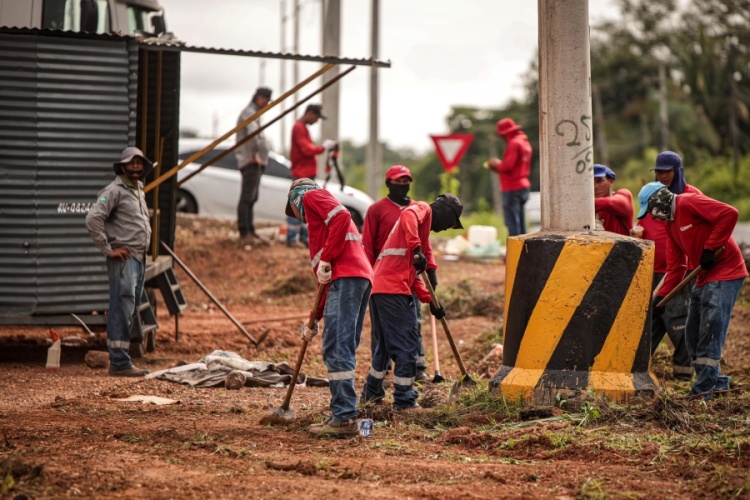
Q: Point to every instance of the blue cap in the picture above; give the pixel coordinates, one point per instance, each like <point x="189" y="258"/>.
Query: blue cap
<point x="603" y="171"/>
<point x="668" y="160"/>
<point x="646" y="193"/>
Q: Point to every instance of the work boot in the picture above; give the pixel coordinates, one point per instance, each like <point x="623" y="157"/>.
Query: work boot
<point x="129" y="372"/>
<point x="421" y="377"/>
<point x="334" y="428"/>
<point x="414" y="409"/>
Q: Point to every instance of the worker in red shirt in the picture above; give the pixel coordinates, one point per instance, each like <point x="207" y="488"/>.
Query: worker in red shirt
<point x="340" y="264"/>
<point x="379" y="221"/>
<point x="614" y="209"/>
<point x="395" y="280"/>
<point x="697" y="226"/>
<point x="304" y="155"/>
<point x="668" y="170"/>
<point x="514" y="170"/>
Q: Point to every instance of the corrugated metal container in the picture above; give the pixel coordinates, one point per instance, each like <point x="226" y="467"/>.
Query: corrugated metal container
<point x="67" y="109"/>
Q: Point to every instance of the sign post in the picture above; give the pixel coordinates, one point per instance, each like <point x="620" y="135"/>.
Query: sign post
<point x="451" y="148"/>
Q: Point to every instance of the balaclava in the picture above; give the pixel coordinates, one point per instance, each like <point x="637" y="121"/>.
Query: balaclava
<point x="661" y="205"/>
<point x="397" y="193"/>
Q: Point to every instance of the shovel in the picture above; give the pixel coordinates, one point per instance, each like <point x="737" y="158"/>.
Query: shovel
<point x="438" y="376"/>
<point x="283" y="411"/>
<point x="682" y="284"/>
<point x="465" y="381"/>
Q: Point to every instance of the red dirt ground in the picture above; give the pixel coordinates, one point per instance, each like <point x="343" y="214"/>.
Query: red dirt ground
<point x="65" y="434"/>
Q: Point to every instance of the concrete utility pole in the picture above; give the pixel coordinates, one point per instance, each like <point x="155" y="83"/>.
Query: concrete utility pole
<point x="282" y="81"/>
<point x="295" y="48"/>
<point x="600" y="134"/>
<point x="565" y="133"/>
<point x="374" y="151"/>
<point x="663" y="111"/>
<point x="331" y="43"/>
<point x="576" y="300"/>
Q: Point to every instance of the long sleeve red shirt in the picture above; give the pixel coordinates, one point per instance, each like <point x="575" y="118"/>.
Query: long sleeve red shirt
<point x="303" y="152"/>
<point x="616" y="211"/>
<point x="380" y="219"/>
<point x="515" y="168"/>
<point x="334" y="238"/>
<point x="394" y="270"/>
<point x="656" y="231"/>
<point x="701" y="223"/>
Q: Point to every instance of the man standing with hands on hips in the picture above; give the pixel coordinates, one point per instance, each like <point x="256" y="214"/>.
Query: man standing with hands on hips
<point x="697" y="228"/>
<point x="304" y="155"/>
<point x="514" y="170"/>
<point x="119" y="225"/>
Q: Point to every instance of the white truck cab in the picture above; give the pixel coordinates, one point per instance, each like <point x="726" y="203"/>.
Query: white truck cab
<point x="126" y="17"/>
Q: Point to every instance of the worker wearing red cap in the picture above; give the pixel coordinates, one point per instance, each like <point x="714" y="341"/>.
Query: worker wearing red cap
<point x="514" y="170"/>
<point x="379" y="221"/>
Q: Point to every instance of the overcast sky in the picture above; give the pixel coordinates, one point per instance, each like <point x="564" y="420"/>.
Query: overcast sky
<point x="442" y="53"/>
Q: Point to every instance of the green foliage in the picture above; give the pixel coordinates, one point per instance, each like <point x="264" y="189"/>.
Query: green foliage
<point x="706" y="58"/>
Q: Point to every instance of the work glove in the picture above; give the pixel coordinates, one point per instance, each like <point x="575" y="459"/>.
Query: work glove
<point x="329" y="144"/>
<point x="324" y="272"/>
<point x="708" y="259"/>
<point x="419" y="260"/>
<point x="658" y="311"/>
<point x="432" y="276"/>
<point x="308" y="333"/>
<point x="438" y="312"/>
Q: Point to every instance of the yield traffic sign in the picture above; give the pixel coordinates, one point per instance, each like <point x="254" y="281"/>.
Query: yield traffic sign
<point x="451" y="148"/>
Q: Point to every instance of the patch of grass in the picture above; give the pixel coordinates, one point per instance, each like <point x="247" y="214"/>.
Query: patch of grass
<point x="463" y="300"/>
<point x="592" y="488"/>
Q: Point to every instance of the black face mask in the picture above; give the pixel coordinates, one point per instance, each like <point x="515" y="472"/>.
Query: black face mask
<point x="442" y="217"/>
<point x="398" y="192"/>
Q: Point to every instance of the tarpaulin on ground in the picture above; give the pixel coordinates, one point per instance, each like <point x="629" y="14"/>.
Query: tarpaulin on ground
<point x="229" y="369"/>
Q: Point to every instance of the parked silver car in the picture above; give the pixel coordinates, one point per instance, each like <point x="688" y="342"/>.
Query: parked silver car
<point x="215" y="191"/>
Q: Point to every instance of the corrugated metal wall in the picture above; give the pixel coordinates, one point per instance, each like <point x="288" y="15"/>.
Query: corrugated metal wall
<point x="67" y="109"/>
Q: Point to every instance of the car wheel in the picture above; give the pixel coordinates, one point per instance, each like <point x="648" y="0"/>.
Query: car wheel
<point x="357" y="219"/>
<point x="185" y="203"/>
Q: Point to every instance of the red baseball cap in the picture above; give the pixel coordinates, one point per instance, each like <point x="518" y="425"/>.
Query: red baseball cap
<point x="398" y="171"/>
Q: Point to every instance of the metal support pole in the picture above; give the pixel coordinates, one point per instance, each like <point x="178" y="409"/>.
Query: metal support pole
<point x="211" y="296"/>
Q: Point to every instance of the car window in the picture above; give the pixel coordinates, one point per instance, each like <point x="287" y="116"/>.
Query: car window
<point x="228" y="162"/>
<point x="276" y="169"/>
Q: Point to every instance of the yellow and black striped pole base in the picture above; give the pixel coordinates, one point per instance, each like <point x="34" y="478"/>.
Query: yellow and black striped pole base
<point x="577" y="317"/>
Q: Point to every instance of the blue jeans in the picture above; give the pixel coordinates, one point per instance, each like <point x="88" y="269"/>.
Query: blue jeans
<point x="395" y="327"/>
<point x="344" y="314"/>
<point x="125" y="289"/>
<point x="295" y="228"/>
<point x="421" y="360"/>
<point x="706" y="330"/>
<point x="672" y="322"/>
<point x="513" y="210"/>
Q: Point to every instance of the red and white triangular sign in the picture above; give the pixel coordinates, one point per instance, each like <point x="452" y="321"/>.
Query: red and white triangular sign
<point x="451" y="148"/>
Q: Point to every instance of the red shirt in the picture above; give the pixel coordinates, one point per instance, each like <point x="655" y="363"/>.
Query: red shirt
<point x="702" y="222"/>
<point x="656" y="231"/>
<point x="380" y="218"/>
<point x="515" y="168"/>
<point x="334" y="238"/>
<point x="394" y="270"/>
<point x="303" y="152"/>
<point x="616" y="211"/>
